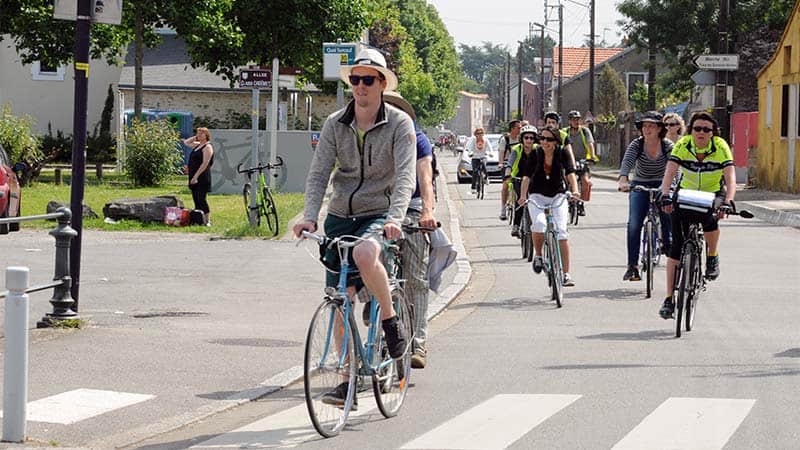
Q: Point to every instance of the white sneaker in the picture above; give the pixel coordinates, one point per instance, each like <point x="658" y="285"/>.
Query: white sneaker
<point x="473" y="190"/>
<point x="503" y="213"/>
<point x="568" y="280"/>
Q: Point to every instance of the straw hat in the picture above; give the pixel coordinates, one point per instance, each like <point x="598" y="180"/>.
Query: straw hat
<point x="372" y="59"/>
<point x="395" y="99"/>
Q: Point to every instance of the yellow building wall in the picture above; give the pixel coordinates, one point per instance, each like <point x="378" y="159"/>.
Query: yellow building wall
<point x="773" y="150"/>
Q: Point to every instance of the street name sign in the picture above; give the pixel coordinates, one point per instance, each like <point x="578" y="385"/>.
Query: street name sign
<point x="102" y="11"/>
<point x="717" y="62"/>
<point x="255" y="78"/>
<point x="335" y="55"/>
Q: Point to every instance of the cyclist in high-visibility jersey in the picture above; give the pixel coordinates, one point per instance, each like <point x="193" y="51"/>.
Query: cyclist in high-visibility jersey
<point x="528" y="137"/>
<point x="706" y="163"/>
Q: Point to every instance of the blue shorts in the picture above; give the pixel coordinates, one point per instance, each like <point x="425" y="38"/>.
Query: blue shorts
<point x="368" y="226"/>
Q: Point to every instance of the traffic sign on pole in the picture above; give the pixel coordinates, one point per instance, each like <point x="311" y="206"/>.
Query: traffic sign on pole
<point x="335" y="55"/>
<point x="255" y="78"/>
<point x="717" y="62"/>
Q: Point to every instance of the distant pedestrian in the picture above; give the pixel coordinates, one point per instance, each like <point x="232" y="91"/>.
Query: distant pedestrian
<point x="676" y="127"/>
<point x="199" y="169"/>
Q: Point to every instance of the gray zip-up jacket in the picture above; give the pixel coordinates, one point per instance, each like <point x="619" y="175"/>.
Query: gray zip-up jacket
<point x="377" y="179"/>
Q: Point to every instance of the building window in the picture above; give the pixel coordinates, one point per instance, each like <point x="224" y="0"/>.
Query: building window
<point x="632" y="79"/>
<point x="785" y="111"/>
<point x="44" y="72"/>
<point x="768" y="118"/>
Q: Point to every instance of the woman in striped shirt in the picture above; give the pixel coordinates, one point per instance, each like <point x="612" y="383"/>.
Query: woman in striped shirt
<point x="648" y="154"/>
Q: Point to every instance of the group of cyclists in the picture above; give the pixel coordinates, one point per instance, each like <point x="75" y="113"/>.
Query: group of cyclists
<point x="541" y="164"/>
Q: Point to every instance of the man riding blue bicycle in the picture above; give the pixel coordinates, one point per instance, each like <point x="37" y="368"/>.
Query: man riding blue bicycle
<point x="372" y="147"/>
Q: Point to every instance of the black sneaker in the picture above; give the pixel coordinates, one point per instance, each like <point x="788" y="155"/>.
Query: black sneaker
<point x="632" y="274"/>
<point x="395" y="341"/>
<point x="338" y="396"/>
<point x="712" y="267"/>
<point x="667" y="309"/>
<point x="581" y="209"/>
<point x="515" y="231"/>
<point x="538" y="264"/>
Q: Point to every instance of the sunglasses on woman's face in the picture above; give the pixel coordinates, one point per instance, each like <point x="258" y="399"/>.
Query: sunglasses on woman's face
<point x="529" y="138"/>
<point x="549" y="139"/>
<point x="367" y="79"/>
<point x="703" y="129"/>
<point x="672" y="124"/>
<point x="479" y="133"/>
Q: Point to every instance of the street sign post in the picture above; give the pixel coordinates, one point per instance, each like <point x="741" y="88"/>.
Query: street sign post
<point x="717" y="62"/>
<point x="255" y="78"/>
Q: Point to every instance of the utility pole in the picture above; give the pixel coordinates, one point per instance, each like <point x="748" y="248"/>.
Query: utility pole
<point x="519" y="81"/>
<point x="541" y="73"/>
<point x="721" y="97"/>
<point x="560" y="57"/>
<point x="508" y="87"/>
<point x="591" y="57"/>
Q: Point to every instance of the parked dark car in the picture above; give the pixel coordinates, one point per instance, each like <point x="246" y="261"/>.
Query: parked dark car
<point x="10" y="193"/>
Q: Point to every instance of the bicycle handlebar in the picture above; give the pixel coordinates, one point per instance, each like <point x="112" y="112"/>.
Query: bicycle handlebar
<point x="261" y="167"/>
<point x="563" y="196"/>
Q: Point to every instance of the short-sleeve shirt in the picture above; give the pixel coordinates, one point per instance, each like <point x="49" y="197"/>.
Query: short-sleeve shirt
<point x="423" y="149"/>
<point x="702" y="168"/>
<point x="547" y="184"/>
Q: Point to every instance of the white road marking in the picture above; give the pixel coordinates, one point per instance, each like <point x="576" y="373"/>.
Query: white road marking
<point x="73" y="406"/>
<point x="285" y="429"/>
<point x="494" y="424"/>
<point x="688" y="423"/>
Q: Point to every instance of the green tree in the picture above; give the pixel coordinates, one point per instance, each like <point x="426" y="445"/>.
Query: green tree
<point x="611" y="94"/>
<point x="477" y="61"/>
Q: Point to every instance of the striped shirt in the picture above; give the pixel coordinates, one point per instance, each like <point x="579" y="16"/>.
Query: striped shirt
<point x="647" y="169"/>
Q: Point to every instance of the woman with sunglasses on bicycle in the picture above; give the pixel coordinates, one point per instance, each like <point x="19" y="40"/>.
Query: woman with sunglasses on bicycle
<point x="478" y="149"/>
<point x="648" y="155"/>
<point x="546" y="174"/>
<point x="706" y="163"/>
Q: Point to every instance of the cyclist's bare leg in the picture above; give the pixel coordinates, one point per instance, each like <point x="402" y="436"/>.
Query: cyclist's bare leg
<point x="504" y="194"/>
<point x="712" y="239"/>
<point x="367" y="256"/>
<point x="538" y="242"/>
<point x="564" y="245"/>
<point x="670" y="277"/>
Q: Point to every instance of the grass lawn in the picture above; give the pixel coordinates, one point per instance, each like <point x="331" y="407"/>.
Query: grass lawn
<point x="228" y="217"/>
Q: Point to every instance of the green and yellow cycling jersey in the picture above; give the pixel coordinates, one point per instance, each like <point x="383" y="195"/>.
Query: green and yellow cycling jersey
<point x="702" y="168"/>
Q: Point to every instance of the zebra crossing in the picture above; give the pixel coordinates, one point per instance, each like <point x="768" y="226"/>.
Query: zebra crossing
<point x="500" y="421"/>
<point x="74" y="406"/>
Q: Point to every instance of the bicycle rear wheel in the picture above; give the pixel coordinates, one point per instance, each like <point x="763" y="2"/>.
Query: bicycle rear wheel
<point x="647" y="252"/>
<point x="390" y="381"/>
<point x="269" y="211"/>
<point x="557" y="271"/>
<point x="328" y="363"/>
<point x="683" y="281"/>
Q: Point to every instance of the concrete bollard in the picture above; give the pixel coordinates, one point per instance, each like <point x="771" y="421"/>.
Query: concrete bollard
<point x="15" y="373"/>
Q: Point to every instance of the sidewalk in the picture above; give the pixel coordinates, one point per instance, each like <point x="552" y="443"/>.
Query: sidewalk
<point x="777" y="208"/>
<point x="179" y="328"/>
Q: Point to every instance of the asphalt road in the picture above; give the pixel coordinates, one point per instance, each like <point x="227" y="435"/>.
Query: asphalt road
<point x="507" y="369"/>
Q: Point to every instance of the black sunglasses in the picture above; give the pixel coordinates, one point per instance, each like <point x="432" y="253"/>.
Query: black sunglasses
<point x="549" y="139"/>
<point x="703" y="129"/>
<point x="367" y="79"/>
<point x="672" y="124"/>
<point x="529" y="138"/>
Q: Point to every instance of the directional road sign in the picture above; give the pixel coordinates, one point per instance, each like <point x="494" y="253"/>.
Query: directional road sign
<point x="717" y="62"/>
<point x="255" y="78"/>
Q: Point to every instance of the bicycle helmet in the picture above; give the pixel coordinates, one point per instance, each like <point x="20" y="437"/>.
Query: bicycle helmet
<point x="529" y="129"/>
<point x="574" y="114"/>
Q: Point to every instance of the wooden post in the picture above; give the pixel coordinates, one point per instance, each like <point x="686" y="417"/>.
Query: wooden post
<point x="57" y="175"/>
<point x="98" y="168"/>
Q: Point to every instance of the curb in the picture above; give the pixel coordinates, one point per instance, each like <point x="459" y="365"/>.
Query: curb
<point x="437" y="304"/>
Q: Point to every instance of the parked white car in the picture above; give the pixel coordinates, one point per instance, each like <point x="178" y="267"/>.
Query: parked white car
<point x="493" y="169"/>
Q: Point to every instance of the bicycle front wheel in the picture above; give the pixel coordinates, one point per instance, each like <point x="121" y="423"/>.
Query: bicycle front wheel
<point x="683" y="283"/>
<point x="690" y="304"/>
<point x="269" y="211"/>
<point x="390" y="381"/>
<point x="330" y="365"/>
<point x="557" y="271"/>
<point x="647" y="251"/>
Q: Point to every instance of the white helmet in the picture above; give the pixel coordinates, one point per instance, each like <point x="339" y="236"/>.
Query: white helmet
<point x="528" y="129"/>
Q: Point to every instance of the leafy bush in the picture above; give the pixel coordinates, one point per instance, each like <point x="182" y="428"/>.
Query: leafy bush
<point x="152" y="152"/>
<point x="59" y="147"/>
<point x="100" y="145"/>
<point x="22" y="146"/>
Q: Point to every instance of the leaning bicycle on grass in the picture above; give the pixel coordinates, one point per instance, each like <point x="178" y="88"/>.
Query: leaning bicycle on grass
<point x="264" y="205"/>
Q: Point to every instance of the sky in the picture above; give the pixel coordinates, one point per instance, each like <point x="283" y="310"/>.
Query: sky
<point x="506" y="21"/>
